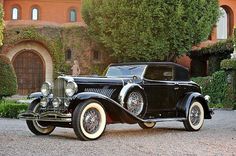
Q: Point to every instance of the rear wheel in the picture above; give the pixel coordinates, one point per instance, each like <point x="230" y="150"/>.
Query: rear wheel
<point x="147" y="125"/>
<point x="36" y="127"/>
<point x="89" y="120"/>
<point x="195" y="118"/>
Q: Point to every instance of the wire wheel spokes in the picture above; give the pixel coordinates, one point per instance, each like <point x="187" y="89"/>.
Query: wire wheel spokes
<point x="195" y="115"/>
<point x="135" y="103"/>
<point x="91" y="120"/>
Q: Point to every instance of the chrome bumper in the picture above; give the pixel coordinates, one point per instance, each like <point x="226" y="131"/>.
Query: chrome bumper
<point x="47" y="116"/>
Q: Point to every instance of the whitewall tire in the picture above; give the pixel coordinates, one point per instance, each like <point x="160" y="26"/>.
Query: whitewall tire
<point x="38" y="127"/>
<point x="147" y="125"/>
<point x="89" y="120"/>
<point x="195" y="118"/>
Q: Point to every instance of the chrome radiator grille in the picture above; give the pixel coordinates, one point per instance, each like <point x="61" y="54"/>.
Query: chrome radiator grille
<point x="59" y="88"/>
<point x="106" y="92"/>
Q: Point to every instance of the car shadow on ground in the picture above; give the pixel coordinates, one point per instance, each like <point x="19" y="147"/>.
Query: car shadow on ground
<point x="69" y="134"/>
<point x="143" y="132"/>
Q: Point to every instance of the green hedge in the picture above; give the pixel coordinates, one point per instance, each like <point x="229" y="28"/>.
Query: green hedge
<point x="11" y="109"/>
<point x="217" y="88"/>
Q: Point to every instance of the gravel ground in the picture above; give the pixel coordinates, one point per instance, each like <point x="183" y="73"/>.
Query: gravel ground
<point x="217" y="137"/>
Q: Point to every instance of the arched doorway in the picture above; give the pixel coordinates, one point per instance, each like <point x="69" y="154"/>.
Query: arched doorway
<point x="30" y="71"/>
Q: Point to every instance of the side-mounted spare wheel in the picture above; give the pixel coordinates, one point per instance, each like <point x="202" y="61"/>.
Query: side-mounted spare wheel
<point x="38" y="127"/>
<point x="195" y="118"/>
<point x="89" y="120"/>
<point x="135" y="102"/>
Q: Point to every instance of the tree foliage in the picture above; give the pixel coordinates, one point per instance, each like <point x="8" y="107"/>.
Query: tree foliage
<point x="147" y="30"/>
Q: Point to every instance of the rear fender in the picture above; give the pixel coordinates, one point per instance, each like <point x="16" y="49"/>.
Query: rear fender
<point x="114" y="109"/>
<point x="184" y="103"/>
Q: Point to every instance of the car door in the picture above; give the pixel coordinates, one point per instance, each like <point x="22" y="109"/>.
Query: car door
<point x="160" y="90"/>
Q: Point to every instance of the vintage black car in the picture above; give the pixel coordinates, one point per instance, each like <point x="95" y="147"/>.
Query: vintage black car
<point x="143" y="93"/>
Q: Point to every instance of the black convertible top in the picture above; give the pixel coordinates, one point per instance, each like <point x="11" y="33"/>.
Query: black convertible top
<point x="180" y="72"/>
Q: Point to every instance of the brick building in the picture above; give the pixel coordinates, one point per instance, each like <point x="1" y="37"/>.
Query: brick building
<point x="222" y="30"/>
<point x="42" y="36"/>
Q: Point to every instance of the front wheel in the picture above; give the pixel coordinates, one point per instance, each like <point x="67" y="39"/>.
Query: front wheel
<point x="89" y="120"/>
<point x="147" y="125"/>
<point x="36" y="127"/>
<point x="195" y="118"/>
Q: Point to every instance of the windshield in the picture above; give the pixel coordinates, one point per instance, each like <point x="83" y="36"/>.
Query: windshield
<point x="126" y="71"/>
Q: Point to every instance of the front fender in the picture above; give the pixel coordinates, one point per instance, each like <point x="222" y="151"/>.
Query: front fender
<point x="35" y="95"/>
<point x="114" y="109"/>
<point x="184" y="103"/>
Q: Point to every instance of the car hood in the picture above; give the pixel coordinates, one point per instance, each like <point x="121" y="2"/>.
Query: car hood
<point x="101" y="80"/>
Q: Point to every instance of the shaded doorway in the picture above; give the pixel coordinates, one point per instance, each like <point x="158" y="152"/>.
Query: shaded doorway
<point x="30" y="71"/>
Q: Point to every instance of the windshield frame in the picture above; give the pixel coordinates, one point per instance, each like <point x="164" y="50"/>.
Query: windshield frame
<point x="133" y="65"/>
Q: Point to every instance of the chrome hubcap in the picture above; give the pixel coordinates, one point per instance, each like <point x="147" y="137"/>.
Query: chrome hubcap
<point x="135" y="103"/>
<point x="195" y="115"/>
<point x="91" y="120"/>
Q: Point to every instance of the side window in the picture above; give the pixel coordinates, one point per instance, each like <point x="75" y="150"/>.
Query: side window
<point x="162" y="73"/>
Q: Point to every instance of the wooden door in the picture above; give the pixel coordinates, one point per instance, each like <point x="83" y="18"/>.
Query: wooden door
<point x="29" y="70"/>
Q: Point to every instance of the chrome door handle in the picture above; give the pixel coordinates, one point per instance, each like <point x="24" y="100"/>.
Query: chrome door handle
<point x="176" y="88"/>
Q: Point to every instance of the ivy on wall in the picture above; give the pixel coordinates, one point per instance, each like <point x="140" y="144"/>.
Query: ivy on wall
<point x="50" y="37"/>
<point x="221" y="48"/>
<point x="57" y="39"/>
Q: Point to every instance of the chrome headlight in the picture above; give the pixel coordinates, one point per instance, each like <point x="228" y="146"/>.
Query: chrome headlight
<point x="66" y="103"/>
<point x="207" y="98"/>
<point x="43" y="102"/>
<point x="71" y="88"/>
<point x="46" y="89"/>
<point x="56" y="102"/>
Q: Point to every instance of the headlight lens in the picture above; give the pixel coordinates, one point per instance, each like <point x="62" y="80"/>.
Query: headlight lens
<point x="71" y="88"/>
<point x="66" y="103"/>
<point x="46" y="89"/>
<point x="56" y="102"/>
<point x="43" y="102"/>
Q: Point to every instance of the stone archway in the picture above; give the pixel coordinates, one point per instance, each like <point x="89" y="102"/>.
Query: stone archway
<point x="33" y="65"/>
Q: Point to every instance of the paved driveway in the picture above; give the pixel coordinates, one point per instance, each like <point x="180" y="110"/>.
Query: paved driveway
<point x="217" y="137"/>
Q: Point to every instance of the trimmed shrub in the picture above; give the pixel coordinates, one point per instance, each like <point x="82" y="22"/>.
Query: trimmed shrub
<point x="217" y="88"/>
<point x="8" y="83"/>
<point x="10" y="109"/>
<point x="228" y="64"/>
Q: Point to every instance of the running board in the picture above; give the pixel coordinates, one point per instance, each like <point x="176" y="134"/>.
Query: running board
<point x="163" y="120"/>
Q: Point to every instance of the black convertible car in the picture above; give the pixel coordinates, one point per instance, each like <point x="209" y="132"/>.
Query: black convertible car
<point x="143" y="93"/>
